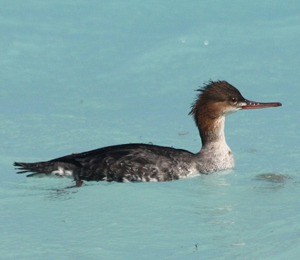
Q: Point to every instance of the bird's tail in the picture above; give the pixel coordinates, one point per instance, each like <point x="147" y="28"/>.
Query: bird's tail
<point x="38" y="168"/>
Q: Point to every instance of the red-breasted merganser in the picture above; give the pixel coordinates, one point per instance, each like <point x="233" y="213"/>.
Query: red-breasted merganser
<point x="146" y="162"/>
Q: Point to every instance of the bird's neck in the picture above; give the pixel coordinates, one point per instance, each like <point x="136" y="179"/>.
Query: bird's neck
<point x="211" y="130"/>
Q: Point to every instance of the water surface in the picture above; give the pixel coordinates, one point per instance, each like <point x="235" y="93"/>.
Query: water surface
<point x="78" y="75"/>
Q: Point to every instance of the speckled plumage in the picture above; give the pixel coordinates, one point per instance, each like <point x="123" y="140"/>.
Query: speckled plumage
<point x="123" y="163"/>
<point x="146" y="162"/>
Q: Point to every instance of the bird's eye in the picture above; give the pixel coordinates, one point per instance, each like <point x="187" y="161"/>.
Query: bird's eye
<point x="233" y="100"/>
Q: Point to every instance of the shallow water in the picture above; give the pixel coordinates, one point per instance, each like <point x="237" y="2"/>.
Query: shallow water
<point x="78" y="75"/>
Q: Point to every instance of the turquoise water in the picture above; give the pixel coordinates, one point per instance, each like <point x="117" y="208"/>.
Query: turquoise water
<point x="78" y="75"/>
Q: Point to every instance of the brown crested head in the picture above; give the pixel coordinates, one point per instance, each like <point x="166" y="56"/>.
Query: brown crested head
<point x="219" y="98"/>
<point x="216" y="98"/>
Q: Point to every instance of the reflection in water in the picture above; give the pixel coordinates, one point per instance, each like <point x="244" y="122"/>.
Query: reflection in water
<point x="60" y="194"/>
<point x="272" y="177"/>
<point x="272" y="180"/>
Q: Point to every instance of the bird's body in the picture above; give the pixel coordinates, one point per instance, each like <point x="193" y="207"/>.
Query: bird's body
<point x="146" y="162"/>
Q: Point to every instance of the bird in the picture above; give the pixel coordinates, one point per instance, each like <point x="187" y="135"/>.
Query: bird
<point x="137" y="162"/>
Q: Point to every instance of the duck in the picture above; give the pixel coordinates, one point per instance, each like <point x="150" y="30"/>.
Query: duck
<point x="137" y="162"/>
